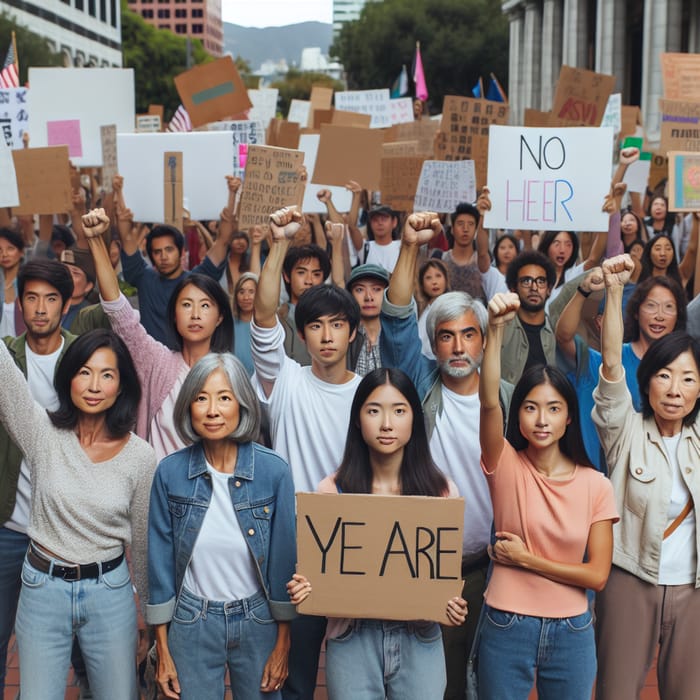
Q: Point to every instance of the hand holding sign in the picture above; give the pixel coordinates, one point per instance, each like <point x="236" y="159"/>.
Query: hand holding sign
<point x="421" y="227"/>
<point x="95" y="223"/>
<point x="285" y="222"/>
<point x="298" y="589"/>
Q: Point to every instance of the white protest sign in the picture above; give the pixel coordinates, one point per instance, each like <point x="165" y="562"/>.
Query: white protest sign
<point x="62" y="115"/>
<point x="9" y="195"/>
<point x="401" y="110"/>
<point x="14" y="115"/>
<point x="206" y="160"/>
<point x="613" y="113"/>
<point x="342" y="198"/>
<point x="299" y="112"/>
<point x="444" y="184"/>
<point x="244" y="134"/>
<point x="264" y="104"/>
<point x="637" y="174"/>
<point x="148" y="123"/>
<point x="549" y="179"/>
<point x="376" y="103"/>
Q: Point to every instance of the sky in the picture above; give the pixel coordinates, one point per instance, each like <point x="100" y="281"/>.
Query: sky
<point x="275" y="13"/>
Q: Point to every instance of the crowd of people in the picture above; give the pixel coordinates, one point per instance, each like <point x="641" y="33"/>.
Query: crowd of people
<point x="166" y="392"/>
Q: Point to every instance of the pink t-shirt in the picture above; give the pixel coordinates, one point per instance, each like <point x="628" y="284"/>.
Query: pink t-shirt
<point x="554" y="519"/>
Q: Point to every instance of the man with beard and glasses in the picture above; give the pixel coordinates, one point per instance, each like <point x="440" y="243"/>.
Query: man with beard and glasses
<point x="529" y="338"/>
<point x="448" y="387"/>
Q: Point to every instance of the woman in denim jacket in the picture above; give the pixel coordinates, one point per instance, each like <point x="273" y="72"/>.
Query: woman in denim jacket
<point x="221" y="545"/>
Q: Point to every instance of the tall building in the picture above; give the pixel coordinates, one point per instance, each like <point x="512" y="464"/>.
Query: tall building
<point x="199" y="19"/>
<point x="346" y="11"/>
<point x="86" y="32"/>
<point x="620" y="37"/>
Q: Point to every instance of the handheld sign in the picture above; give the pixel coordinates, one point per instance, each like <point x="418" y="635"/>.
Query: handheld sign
<point x="382" y="557"/>
<point x="9" y="195"/>
<point x="444" y="184"/>
<point x="14" y="115"/>
<point x="549" y="179"/>
<point x="684" y="181"/>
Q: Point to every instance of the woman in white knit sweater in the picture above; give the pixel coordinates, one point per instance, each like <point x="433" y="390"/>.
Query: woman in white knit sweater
<point x="90" y="480"/>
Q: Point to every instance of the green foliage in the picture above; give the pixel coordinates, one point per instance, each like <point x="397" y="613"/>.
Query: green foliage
<point x="246" y="72"/>
<point x="32" y="49"/>
<point x="297" y="85"/>
<point x="460" y="40"/>
<point x="157" y="56"/>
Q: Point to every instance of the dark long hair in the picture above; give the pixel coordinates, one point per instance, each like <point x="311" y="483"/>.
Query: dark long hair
<point x="639" y="295"/>
<point x="648" y="267"/>
<point x="419" y="475"/>
<point x="571" y="443"/>
<point x="547" y="240"/>
<point x="120" y="417"/>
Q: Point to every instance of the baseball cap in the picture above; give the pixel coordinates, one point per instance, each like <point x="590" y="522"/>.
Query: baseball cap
<point x="370" y="270"/>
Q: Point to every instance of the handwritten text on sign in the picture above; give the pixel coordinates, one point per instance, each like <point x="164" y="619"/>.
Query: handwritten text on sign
<point x="386" y="557"/>
<point x="549" y="179"/>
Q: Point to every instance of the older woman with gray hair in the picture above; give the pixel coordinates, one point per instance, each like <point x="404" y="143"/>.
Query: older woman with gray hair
<point x="221" y="545"/>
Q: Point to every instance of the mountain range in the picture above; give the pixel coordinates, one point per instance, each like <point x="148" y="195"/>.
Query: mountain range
<point x="275" y="43"/>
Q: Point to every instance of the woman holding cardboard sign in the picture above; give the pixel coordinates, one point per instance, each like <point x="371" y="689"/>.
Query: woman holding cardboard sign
<point x="550" y="509"/>
<point x="386" y="453"/>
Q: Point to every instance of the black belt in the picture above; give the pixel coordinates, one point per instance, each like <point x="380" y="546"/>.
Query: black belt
<point x="71" y="573"/>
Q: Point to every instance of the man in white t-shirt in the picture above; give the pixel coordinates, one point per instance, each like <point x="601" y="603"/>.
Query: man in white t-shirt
<point x="44" y="289"/>
<point x="381" y="248"/>
<point x="308" y="407"/>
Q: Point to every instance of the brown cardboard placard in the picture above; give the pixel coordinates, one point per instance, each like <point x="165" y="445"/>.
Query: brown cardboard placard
<point x="322" y="116"/>
<point x="399" y="180"/>
<point x="398" y="149"/>
<point x="341" y="117"/>
<point x="288" y="135"/>
<point x="681" y="76"/>
<point x="272" y="181"/>
<point x="172" y="189"/>
<point x="348" y="153"/>
<point x="110" y="167"/>
<point x="157" y="110"/>
<point x="631" y="118"/>
<point x="387" y="557"/>
<point x="680" y="125"/>
<point x="212" y="91"/>
<point x="536" y="117"/>
<point x="43" y="180"/>
<point x="658" y="172"/>
<point x="321" y="99"/>
<point x="581" y="97"/>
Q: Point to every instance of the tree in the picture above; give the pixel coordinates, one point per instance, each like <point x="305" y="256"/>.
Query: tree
<point x="157" y="56"/>
<point x="297" y="85"/>
<point x="246" y="72"/>
<point x="460" y="41"/>
<point x="32" y="50"/>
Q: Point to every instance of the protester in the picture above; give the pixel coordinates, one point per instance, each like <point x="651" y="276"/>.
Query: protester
<point x="221" y="545"/>
<point x="433" y="281"/>
<point x="537" y="623"/>
<point x="386" y="453"/>
<point x="243" y="301"/>
<point x="505" y="249"/>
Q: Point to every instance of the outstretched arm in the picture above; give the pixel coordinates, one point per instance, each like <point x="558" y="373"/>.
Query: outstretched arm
<point x="219" y="250"/>
<point x="95" y="223"/>
<point x="483" y="257"/>
<point x="616" y="273"/>
<point x="335" y="233"/>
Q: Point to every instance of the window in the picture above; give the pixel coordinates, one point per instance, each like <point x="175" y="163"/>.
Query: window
<point x="91" y="8"/>
<point x="180" y="13"/>
<point x="147" y="14"/>
<point x="103" y="10"/>
<point x="197" y="13"/>
<point x="79" y="5"/>
<point x="197" y="29"/>
<point x="181" y="29"/>
<point x="113" y="12"/>
<point x="163" y="14"/>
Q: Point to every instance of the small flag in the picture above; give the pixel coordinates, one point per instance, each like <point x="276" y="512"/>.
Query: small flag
<point x="478" y="89"/>
<point x="9" y="75"/>
<point x="400" y="86"/>
<point x="180" y="121"/>
<point x="419" y="76"/>
<point x="495" y="92"/>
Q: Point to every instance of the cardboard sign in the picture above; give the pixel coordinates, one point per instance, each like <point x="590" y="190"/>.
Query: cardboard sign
<point x="172" y="189"/>
<point x="288" y="135"/>
<point x="299" y="111"/>
<point x="399" y="179"/>
<point x="321" y="99"/>
<point x="613" y="113"/>
<point x="681" y="76"/>
<point x="212" y="91"/>
<point x="680" y="125"/>
<point x="631" y="118"/>
<point x="110" y="166"/>
<point x="637" y="173"/>
<point x="243" y="134"/>
<point x="384" y="557"/>
<point x="549" y="179"/>
<point x="399" y="149"/>
<point x="376" y="103"/>
<point x="422" y="130"/>
<point x="465" y="131"/>
<point x="13" y="115"/>
<point x="683" y="181"/>
<point x="148" y="123"/>
<point x="581" y="97"/>
<point x="157" y="111"/>
<point x="342" y="198"/>
<point x="536" y="117"/>
<point x="207" y="157"/>
<point x="443" y="185"/>
<point x="341" y="118"/>
<point x="272" y="181"/>
<point x="9" y="195"/>
<point x="658" y="172"/>
<point x="65" y="132"/>
<point x="43" y="180"/>
<point x="57" y="98"/>
<point x="401" y="110"/>
<point x="264" y="104"/>
<point x="347" y="153"/>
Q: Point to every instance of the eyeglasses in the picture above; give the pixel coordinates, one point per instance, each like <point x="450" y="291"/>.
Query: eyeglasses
<point x="541" y="282"/>
<point x="657" y="309"/>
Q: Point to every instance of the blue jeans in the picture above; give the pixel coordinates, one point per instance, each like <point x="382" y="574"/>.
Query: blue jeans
<point x="513" y="647"/>
<point x="307" y="633"/>
<point x="13" y="547"/>
<point x="101" y="612"/>
<point x="376" y="659"/>
<point x="206" y="636"/>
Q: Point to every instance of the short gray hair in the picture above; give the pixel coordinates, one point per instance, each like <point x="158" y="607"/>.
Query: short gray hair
<point x="248" y="426"/>
<point x="449" y="307"/>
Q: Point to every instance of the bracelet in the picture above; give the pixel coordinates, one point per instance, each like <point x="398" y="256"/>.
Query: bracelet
<point x="583" y="292"/>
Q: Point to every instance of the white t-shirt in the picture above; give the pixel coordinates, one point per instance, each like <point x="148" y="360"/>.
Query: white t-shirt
<point x="384" y="255"/>
<point x="7" y="322"/>
<point x="221" y="567"/>
<point x="677" y="564"/>
<point x="40" y="374"/>
<point x="308" y="417"/>
<point x="455" y="448"/>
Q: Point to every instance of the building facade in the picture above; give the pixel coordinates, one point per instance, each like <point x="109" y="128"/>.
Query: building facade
<point x="624" y="38"/>
<point x="346" y="11"/>
<point x="198" y="19"/>
<point x="86" y="32"/>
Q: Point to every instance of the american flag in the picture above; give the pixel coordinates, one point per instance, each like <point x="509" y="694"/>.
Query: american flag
<point x="180" y="121"/>
<point x="9" y="76"/>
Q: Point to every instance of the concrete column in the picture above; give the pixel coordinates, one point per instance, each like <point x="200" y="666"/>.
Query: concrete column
<point x="515" y="67"/>
<point x="532" y="54"/>
<point x="611" y="40"/>
<point x="574" y="34"/>
<point x="552" y="29"/>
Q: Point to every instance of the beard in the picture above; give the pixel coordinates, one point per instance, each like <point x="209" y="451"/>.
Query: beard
<point x="473" y="364"/>
<point x="526" y="305"/>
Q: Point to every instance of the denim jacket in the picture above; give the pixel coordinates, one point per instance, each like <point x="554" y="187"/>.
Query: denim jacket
<point x="262" y="494"/>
